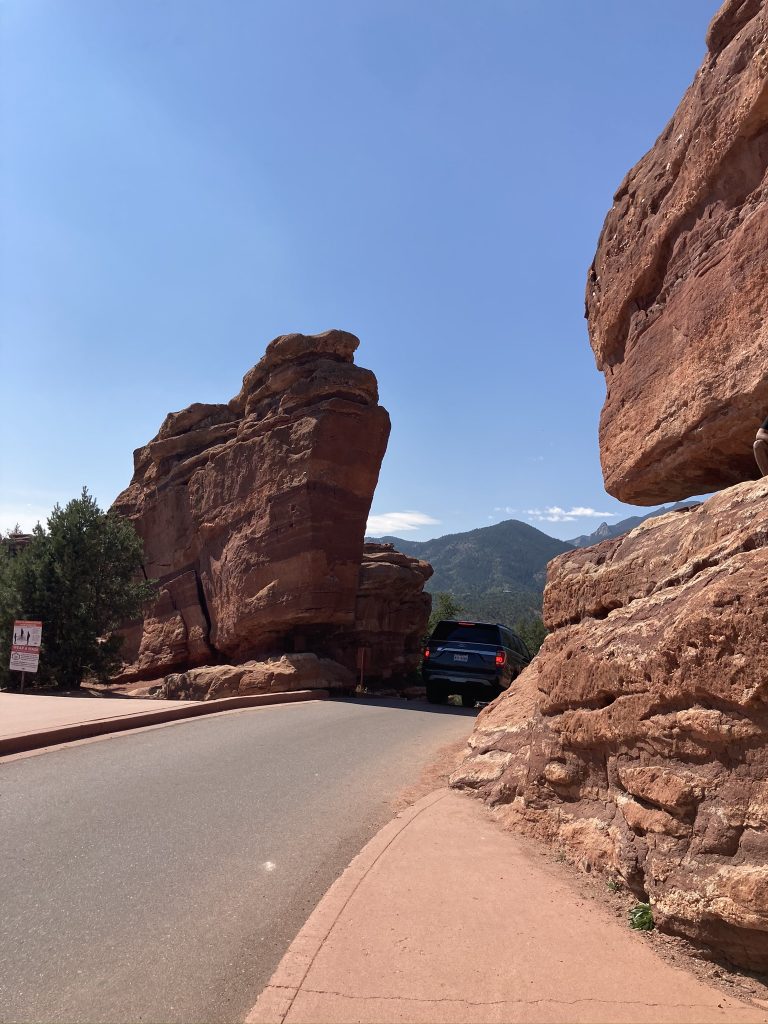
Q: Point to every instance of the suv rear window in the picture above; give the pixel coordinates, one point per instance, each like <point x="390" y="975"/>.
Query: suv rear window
<point x="469" y="633"/>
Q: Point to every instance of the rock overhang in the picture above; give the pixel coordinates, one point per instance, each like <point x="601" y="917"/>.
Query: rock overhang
<point x="675" y="297"/>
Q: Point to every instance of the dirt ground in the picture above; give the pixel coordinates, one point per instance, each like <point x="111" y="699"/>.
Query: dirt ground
<point x="434" y="776"/>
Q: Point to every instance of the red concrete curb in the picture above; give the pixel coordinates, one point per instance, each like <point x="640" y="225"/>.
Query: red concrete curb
<point x="275" y="1001"/>
<point x="137" y="720"/>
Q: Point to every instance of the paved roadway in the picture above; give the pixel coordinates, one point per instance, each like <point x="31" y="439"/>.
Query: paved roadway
<point x="160" y="875"/>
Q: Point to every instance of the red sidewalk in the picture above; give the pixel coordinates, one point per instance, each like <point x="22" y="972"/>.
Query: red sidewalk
<point x="445" y="917"/>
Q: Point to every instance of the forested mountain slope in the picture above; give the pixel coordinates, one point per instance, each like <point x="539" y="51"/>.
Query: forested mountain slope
<point x="495" y="572"/>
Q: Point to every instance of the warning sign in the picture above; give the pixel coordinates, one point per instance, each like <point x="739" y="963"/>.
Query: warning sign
<point x="25" y="649"/>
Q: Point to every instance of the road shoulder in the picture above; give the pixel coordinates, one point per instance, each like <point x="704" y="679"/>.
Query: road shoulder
<point x="445" y="917"/>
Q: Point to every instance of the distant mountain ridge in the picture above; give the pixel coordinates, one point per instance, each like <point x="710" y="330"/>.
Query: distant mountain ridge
<point x="605" y="530"/>
<point x="495" y="572"/>
<point x="498" y="572"/>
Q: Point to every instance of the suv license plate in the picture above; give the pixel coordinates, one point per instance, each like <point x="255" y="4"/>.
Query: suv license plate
<point x="460" y="657"/>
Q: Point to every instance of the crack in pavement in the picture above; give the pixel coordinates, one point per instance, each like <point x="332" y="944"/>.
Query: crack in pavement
<point x="499" y="1003"/>
<point x="502" y="1002"/>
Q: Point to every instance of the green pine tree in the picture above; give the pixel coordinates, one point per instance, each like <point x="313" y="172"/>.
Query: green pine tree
<point x="80" y="578"/>
<point x="533" y="631"/>
<point x="9" y="606"/>
<point x="444" y="606"/>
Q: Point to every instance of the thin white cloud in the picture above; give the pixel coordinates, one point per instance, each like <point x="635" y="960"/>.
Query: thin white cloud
<point x="555" y="514"/>
<point x="398" y="522"/>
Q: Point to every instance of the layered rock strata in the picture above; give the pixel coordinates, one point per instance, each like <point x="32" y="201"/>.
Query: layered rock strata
<point x="638" y="739"/>
<point x="252" y="513"/>
<point x="391" y="614"/>
<point x="676" y="295"/>
<point x="281" y="674"/>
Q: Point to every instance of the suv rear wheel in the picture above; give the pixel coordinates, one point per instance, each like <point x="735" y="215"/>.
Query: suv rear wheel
<point x="436" y="694"/>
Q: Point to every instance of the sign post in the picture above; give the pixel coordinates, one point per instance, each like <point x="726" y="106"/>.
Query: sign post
<point x="361" y="653"/>
<point x="25" y="648"/>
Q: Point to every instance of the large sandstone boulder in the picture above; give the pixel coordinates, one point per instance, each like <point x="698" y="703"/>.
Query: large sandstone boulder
<point x="676" y="296"/>
<point x="280" y="674"/>
<point x="637" y="740"/>
<point x="391" y="614"/>
<point x="253" y="513"/>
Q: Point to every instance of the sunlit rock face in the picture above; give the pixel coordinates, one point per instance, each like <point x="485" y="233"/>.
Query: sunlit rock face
<point x="676" y="296"/>
<point x="391" y="614"/>
<point x="278" y="674"/>
<point x="253" y="512"/>
<point x="638" y="738"/>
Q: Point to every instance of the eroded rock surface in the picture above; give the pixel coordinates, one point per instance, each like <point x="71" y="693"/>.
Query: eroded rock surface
<point x="281" y="674"/>
<point x="253" y="512"/>
<point x="638" y="738"/>
<point x="676" y="296"/>
<point x="391" y="615"/>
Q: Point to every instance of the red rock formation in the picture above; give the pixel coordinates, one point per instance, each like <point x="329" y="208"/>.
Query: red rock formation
<point x="676" y="295"/>
<point x="253" y="513"/>
<point x="281" y="674"/>
<point x="173" y="633"/>
<point x="638" y="738"/>
<point x="391" y="615"/>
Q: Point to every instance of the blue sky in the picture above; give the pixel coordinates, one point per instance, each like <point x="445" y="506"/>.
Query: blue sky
<point x="183" y="180"/>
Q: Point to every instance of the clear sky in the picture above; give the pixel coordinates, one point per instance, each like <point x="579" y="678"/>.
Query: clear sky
<point x="183" y="180"/>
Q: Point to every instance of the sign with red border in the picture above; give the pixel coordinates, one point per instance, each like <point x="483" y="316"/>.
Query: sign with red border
<point x="25" y="647"/>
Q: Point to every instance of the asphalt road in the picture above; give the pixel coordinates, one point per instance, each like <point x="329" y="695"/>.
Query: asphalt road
<point x="160" y="875"/>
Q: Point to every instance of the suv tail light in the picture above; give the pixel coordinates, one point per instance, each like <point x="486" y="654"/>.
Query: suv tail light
<point x="426" y="653"/>
<point x="500" y="657"/>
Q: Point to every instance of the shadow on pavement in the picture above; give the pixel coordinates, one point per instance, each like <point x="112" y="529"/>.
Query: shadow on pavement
<point x="408" y="705"/>
<point x="379" y="702"/>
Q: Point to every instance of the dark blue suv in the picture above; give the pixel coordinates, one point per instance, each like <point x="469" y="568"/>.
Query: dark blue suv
<point x="477" y="660"/>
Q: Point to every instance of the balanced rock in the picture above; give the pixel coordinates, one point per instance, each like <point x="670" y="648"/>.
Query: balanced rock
<point x="252" y="513"/>
<point x="676" y="295"/>
<point x="637" y="739"/>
